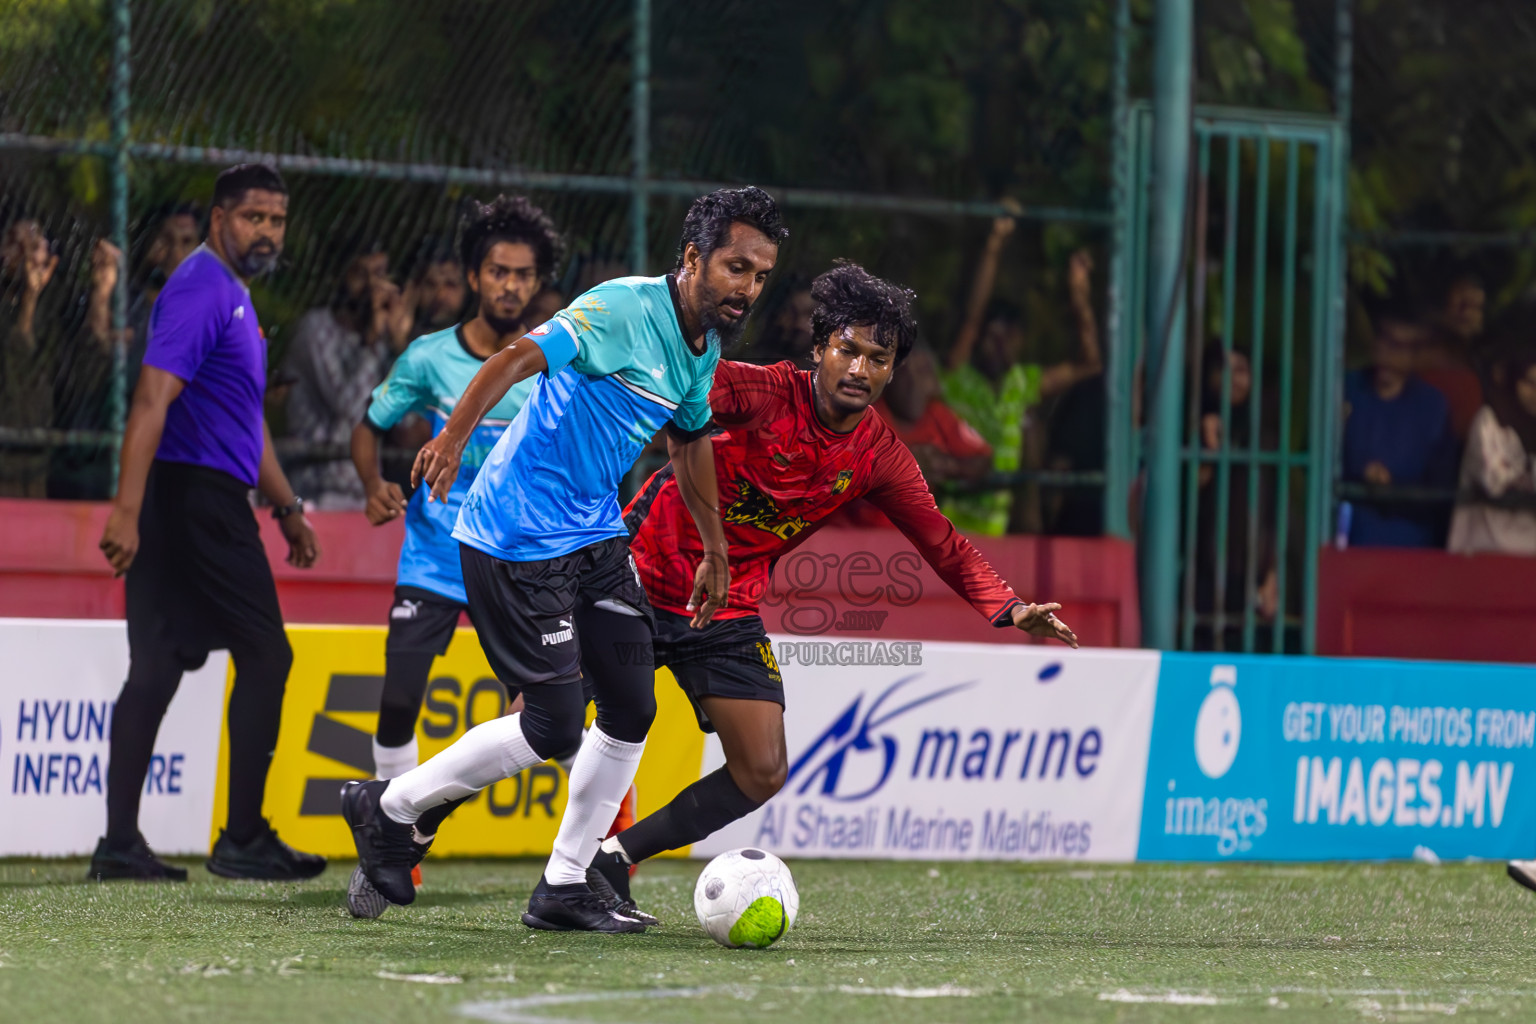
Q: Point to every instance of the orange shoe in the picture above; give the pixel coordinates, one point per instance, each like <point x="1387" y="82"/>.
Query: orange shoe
<point x="416" y="875"/>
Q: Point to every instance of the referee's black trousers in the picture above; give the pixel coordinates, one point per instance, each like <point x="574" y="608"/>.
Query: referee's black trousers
<point x="200" y="582"/>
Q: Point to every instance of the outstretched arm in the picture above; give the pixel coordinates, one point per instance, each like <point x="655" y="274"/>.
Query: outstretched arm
<point x="693" y="463"/>
<point x="904" y="498"/>
<point x="981" y="292"/>
<point x="437" y="464"/>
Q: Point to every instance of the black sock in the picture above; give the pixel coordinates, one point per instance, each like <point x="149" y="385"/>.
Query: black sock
<point x="405" y="682"/>
<point x="431" y="820"/>
<point x="699" y="811"/>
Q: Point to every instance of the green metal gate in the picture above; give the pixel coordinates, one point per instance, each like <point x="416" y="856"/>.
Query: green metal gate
<point x="1262" y="277"/>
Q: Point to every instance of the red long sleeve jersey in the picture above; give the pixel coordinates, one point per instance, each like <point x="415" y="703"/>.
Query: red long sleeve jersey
<point x="781" y="473"/>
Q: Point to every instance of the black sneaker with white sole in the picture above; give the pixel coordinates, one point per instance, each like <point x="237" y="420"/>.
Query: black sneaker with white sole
<point x="135" y="861"/>
<point x="574" y="908"/>
<point x="386" y="849"/>
<point x="264" y="857"/>
<point x="622" y="905"/>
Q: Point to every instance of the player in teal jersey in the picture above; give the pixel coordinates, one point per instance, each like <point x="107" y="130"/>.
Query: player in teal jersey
<point x="551" y="586"/>
<point x="511" y="249"/>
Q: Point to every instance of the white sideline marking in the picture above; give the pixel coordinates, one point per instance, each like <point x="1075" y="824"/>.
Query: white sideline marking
<point x="1174" y="998"/>
<point x="512" y="1011"/>
<point x="421" y="979"/>
<point x="941" y="992"/>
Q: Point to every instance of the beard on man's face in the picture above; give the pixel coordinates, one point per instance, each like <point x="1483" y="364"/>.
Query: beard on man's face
<point x="502" y="325"/>
<point x="730" y="329"/>
<point x="260" y="258"/>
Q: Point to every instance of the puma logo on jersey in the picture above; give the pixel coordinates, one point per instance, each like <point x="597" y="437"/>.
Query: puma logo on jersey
<point x="660" y="371"/>
<point x="559" y="636"/>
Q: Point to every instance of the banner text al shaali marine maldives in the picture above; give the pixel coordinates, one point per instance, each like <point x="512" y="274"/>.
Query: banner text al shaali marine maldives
<point x="974" y="751"/>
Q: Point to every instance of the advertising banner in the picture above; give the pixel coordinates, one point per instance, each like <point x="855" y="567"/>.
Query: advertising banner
<point x="955" y="751"/>
<point x="1257" y="758"/>
<point x="60" y="684"/>
<point x="330" y="711"/>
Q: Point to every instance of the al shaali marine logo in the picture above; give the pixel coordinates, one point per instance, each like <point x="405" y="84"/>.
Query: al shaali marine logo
<point x="851" y="735"/>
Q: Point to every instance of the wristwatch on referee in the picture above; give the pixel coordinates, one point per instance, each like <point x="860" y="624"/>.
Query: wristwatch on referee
<point x="281" y="512"/>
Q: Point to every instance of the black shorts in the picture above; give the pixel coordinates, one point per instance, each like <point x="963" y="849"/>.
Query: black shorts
<point x="727" y="658"/>
<point x="200" y="581"/>
<point x="524" y="612"/>
<point x="421" y="622"/>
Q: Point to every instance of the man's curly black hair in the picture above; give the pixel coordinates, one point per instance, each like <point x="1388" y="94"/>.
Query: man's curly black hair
<point x="510" y="219"/>
<point x="850" y="296"/>
<point x="709" y="220"/>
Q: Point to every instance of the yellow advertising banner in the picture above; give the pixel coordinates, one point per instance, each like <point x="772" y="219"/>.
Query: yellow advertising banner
<point x="330" y="710"/>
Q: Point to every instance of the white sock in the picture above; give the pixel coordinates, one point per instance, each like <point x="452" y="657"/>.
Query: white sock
<point x="600" y="778"/>
<point x="488" y="753"/>
<point x="391" y="762"/>
<point x="612" y="845"/>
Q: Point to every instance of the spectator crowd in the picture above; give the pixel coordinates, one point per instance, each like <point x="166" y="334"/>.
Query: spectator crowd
<point x="1445" y="404"/>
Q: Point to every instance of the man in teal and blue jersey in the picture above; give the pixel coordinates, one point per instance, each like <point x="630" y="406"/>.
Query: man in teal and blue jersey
<point x="511" y="249"/>
<point x="551" y="586"/>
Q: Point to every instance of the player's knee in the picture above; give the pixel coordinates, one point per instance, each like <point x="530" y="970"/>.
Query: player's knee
<point x="282" y="660"/>
<point x="760" y="776"/>
<point x="552" y="735"/>
<point x="628" y="720"/>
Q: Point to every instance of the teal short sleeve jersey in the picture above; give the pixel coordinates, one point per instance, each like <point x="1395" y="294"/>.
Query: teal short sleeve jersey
<point x="428" y="379"/>
<point x="619" y="370"/>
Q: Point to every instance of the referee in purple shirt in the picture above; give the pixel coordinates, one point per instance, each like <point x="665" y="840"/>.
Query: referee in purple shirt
<point x="183" y="530"/>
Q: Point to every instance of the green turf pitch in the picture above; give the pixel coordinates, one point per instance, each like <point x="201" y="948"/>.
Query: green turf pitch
<point x="874" y="942"/>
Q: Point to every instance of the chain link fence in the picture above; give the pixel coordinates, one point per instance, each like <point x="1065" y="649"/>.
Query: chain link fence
<point x="889" y="132"/>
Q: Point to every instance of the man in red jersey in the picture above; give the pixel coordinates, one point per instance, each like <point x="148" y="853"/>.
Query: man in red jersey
<point x="798" y="446"/>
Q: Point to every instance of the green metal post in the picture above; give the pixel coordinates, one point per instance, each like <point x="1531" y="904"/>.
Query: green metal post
<point x="1117" y="434"/>
<point x="121" y="66"/>
<point x="1165" y="320"/>
<point x="1224" y="451"/>
<point x="1287" y="387"/>
<point x="1330" y="348"/>
<point x="1256" y="392"/>
<point x="640" y="121"/>
<point x="1192" y="439"/>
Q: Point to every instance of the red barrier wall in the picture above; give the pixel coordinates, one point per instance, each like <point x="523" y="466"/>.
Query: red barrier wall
<point x="50" y="568"/>
<point x="1411" y="603"/>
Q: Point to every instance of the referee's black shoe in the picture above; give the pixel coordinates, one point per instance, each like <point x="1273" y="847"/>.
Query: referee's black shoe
<point x="136" y="861"/>
<point x="574" y="908"/>
<point x="264" y="857"/>
<point x="386" y="848"/>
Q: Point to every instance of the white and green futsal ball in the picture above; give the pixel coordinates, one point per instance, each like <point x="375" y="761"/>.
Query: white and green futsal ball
<point x="746" y="898"/>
